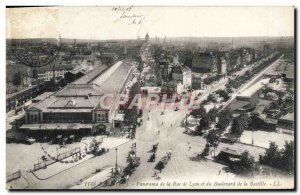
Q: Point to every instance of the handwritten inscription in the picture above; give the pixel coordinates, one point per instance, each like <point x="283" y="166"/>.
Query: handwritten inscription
<point x="129" y="14"/>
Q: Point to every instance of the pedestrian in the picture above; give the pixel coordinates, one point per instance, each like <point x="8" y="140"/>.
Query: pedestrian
<point x="219" y="172"/>
<point x="155" y="174"/>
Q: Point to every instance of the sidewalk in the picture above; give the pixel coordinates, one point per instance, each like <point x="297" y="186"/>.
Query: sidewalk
<point x="95" y="180"/>
<point x="56" y="168"/>
<point x="20" y="183"/>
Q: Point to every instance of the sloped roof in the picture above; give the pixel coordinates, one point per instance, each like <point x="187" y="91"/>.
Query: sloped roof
<point x="288" y="117"/>
<point x="73" y="90"/>
<point x="72" y="103"/>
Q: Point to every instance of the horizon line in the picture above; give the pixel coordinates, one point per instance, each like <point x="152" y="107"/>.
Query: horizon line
<point x="168" y="37"/>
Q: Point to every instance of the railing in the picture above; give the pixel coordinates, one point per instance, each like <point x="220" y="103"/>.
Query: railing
<point x="13" y="176"/>
<point x="52" y="160"/>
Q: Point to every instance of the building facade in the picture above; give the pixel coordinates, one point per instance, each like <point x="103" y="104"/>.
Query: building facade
<point x="204" y="62"/>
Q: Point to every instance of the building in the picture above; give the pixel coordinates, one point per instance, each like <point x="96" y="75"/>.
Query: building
<point x="261" y="120"/>
<point x="221" y="65"/>
<point x="147" y="37"/>
<point x="59" y="71"/>
<point x="169" y="87"/>
<point x="251" y="94"/>
<point x="73" y="75"/>
<point x="197" y="82"/>
<point x="228" y="156"/>
<point x="183" y="75"/>
<point x="16" y="101"/>
<point x="233" y="59"/>
<point x="286" y="122"/>
<point x="245" y="56"/>
<point x="41" y="97"/>
<point x="76" y="109"/>
<point x="108" y="58"/>
<point x="204" y="62"/>
<point x="164" y="69"/>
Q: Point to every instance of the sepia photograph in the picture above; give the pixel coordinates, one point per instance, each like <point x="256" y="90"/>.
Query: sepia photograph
<point x="150" y="98"/>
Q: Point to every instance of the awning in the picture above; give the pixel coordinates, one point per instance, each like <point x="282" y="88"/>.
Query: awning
<point x="56" y="126"/>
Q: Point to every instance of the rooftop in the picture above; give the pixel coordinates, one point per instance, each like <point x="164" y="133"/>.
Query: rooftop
<point x="254" y="88"/>
<point x="288" y="117"/>
<point x="91" y="76"/>
<point x="42" y="96"/>
<point x="73" y="90"/>
<point x="115" y="81"/>
<point x="231" y="151"/>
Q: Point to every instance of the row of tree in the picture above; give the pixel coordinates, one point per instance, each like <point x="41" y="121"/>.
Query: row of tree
<point x="282" y="159"/>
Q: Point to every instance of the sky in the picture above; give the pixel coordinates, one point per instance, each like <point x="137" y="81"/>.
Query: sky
<point x="129" y="22"/>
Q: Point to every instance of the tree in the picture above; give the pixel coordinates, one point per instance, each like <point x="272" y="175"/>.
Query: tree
<point x="204" y="122"/>
<point x="205" y="151"/>
<point x="212" y="114"/>
<point x="271" y="156"/>
<point x="246" y="164"/>
<point x="135" y="89"/>
<point x="213" y="139"/>
<point x="282" y="159"/>
<point x="17" y="79"/>
<point x="197" y="113"/>
<point x="224" y="119"/>
<point x="223" y="94"/>
<point x="237" y="127"/>
<point x="130" y="116"/>
<point x="240" y="123"/>
<point x="287" y="158"/>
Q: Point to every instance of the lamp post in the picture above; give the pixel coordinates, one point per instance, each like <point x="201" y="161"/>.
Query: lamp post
<point x="56" y="152"/>
<point x="116" y="160"/>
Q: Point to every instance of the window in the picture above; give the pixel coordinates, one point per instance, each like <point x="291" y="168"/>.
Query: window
<point x="101" y="117"/>
<point x="32" y="118"/>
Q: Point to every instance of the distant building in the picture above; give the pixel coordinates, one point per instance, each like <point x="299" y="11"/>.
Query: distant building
<point x="169" y="87"/>
<point x="233" y="59"/>
<point x="59" y="71"/>
<point x="245" y="56"/>
<point x="147" y="37"/>
<point x="197" y="81"/>
<point x="204" y="62"/>
<point x="108" y="58"/>
<point x="221" y="65"/>
<point x="164" y="68"/>
<point x="72" y="75"/>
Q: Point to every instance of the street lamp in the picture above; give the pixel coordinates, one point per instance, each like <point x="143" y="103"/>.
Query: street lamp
<point x="56" y="152"/>
<point x="116" y="160"/>
<point x="252" y="136"/>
